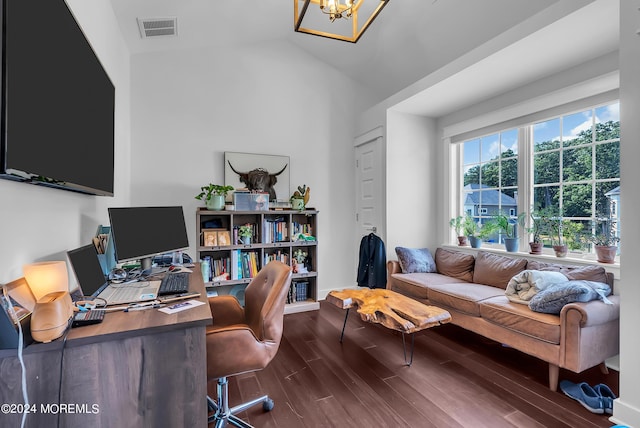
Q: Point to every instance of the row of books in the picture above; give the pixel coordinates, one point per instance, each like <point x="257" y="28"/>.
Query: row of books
<point x="275" y="230"/>
<point x="298" y="228"/>
<point x="240" y="265"/>
<point x="278" y="255"/>
<point x="297" y="291"/>
<point x="244" y="264"/>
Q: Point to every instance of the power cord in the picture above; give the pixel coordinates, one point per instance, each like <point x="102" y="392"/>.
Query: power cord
<point x="23" y="376"/>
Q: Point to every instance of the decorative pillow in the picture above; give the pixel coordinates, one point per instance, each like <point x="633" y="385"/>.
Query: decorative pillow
<point x="414" y="260"/>
<point x="455" y="264"/>
<point x="496" y="270"/>
<point x="553" y="298"/>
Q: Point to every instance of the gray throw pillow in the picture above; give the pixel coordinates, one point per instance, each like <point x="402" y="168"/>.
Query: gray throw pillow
<point x="553" y="298"/>
<point x="413" y="260"/>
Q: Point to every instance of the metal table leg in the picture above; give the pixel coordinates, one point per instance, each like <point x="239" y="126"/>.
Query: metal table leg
<point x="404" y="349"/>
<point x="344" y="325"/>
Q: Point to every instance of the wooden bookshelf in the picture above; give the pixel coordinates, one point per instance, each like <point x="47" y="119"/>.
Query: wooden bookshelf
<point x="275" y="236"/>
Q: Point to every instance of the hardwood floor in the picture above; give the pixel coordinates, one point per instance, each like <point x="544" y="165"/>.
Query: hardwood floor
<point x="457" y="379"/>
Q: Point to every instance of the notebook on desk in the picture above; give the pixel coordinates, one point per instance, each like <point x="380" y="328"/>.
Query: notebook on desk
<point x="93" y="283"/>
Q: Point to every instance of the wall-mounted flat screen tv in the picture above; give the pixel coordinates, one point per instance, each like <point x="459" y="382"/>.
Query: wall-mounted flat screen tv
<point x="57" y="114"/>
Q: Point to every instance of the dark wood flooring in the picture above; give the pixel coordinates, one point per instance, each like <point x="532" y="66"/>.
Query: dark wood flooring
<point x="457" y="379"/>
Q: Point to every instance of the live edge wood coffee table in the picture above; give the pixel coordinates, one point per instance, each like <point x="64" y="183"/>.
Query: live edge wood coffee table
<point x="391" y="309"/>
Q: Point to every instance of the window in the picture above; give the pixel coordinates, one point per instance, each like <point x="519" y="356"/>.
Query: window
<point x="490" y="166"/>
<point x="574" y="161"/>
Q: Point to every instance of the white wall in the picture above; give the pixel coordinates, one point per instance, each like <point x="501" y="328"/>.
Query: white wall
<point x="411" y="162"/>
<point x="189" y="107"/>
<point x="41" y="224"/>
<point x="626" y="409"/>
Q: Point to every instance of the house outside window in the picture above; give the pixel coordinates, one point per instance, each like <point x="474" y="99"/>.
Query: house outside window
<point x="574" y="161"/>
<point x="490" y="166"/>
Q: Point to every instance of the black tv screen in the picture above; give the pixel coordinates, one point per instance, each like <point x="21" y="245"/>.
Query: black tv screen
<point x="57" y="101"/>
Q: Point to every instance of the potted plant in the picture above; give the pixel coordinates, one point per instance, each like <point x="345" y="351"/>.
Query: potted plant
<point x="213" y="196"/>
<point x="536" y="229"/>
<point x="554" y="223"/>
<point x="604" y="239"/>
<point x="300" y="198"/>
<point x="458" y="224"/>
<point x="481" y="232"/>
<point x="469" y="226"/>
<point x="245" y="233"/>
<point x="508" y="227"/>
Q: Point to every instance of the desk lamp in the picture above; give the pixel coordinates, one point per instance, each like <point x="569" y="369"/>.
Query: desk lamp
<point x="49" y="283"/>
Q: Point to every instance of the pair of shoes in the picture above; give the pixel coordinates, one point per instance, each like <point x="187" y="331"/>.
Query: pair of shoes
<point x="607" y="397"/>
<point x="585" y="395"/>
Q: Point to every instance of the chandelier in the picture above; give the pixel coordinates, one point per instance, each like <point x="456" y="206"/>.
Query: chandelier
<point x="343" y="20"/>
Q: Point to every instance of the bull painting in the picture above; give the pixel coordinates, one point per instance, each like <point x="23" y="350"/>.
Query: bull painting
<point x="259" y="179"/>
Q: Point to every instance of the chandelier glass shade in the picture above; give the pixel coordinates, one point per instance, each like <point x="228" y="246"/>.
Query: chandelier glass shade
<point x="344" y="20"/>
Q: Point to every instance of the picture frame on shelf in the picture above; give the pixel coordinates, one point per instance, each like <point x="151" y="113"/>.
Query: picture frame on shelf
<point x="224" y="237"/>
<point x="210" y="237"/>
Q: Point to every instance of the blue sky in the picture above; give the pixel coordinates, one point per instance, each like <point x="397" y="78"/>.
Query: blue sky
<point x="549" y="130"/>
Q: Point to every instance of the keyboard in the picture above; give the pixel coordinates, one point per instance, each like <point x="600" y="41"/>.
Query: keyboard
<point x="174" y="283"/>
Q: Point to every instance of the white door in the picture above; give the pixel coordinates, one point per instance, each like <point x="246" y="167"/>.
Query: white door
<point x="369" y="187"/>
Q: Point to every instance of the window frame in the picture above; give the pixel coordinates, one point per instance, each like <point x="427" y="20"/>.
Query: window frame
<point x="526" y="181"/>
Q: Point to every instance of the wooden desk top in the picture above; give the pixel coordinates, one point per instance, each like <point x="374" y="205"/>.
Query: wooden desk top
<point x="118" y="325"/>
<point x="125" y="324"/>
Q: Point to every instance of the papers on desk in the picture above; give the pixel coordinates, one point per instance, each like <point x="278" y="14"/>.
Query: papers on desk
<point x="181" y="306"/>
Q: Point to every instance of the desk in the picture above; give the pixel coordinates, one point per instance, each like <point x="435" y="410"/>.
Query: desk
<point x="136" y="369"/>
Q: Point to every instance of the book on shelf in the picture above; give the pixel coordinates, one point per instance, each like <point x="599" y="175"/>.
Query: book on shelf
<point x="297" y="291"/>
<point x="275" y="230"/>
<point x="300" y="228"/>
<point x="278" y="255"/>
<point x="244" y="264"/>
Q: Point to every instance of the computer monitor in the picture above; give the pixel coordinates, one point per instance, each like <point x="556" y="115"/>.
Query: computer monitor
<point x="85" y="264"/>
<point x="139" y="233"/>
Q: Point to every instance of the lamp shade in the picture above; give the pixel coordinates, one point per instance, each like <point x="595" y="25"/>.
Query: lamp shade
<point x="46" y="277"/>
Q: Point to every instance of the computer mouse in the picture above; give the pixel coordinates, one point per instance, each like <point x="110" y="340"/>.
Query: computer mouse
<point x="174" y="269"/>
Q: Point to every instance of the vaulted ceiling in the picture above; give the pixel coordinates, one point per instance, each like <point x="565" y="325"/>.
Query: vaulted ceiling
<point x="410" y="39"/>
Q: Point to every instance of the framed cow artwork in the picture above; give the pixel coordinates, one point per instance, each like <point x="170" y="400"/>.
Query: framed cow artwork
<point x="264" y="173"/>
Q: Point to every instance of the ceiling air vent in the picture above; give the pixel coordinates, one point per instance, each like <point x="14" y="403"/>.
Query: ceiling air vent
<point x="152" y="27"/>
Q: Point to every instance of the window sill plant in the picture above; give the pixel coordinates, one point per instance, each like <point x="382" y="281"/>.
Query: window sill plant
<point x="508" y="228"/>
<point x="605" y="240"/>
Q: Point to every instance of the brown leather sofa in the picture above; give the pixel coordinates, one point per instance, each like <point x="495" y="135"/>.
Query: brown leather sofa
<point x="472" y="289"/>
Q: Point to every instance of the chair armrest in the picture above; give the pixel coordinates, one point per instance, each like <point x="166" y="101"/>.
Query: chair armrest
<point x="226" y="311"/>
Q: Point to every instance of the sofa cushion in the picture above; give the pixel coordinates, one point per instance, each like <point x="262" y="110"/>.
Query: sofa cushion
<point x="415" y="285"/>
<point x="463" y="296"/>
<point x="496" y="270"/>
<point x="455" y="264"/>
<point x="590" y="273"/>
<point x="415" y="260"/>
<point x="519" y="318"/>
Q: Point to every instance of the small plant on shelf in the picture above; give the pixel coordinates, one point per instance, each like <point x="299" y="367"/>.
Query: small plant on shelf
<point x="213" y="195"/>
<point x="245" y="233"/>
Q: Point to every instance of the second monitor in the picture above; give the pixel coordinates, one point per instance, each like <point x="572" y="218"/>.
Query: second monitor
<point x="139" y="233"/>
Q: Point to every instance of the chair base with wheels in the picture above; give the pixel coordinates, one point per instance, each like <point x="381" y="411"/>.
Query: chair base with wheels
<point x="224" y="415"/>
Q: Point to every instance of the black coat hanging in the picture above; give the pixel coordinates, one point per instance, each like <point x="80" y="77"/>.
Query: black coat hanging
<point x="372" y="271"/>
